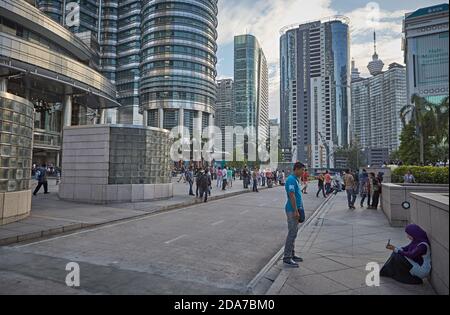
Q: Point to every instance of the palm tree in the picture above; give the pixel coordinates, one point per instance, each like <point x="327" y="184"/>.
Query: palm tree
<point x="419" y="110"/>
<point x="442" y="124"/>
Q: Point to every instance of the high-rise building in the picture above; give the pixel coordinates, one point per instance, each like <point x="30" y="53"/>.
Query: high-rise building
<point x="376" y="104"/>
<point x="315" y="91"/>
<point x="225" y="110"/>
<point x="251" y="85"/>
<point x="48" y="80"/>
<point x="160" y="54"/>
<point x="425" y="48"/>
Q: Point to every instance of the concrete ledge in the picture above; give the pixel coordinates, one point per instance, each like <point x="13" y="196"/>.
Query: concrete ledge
<point x="394" y="195"/>
<point x="107" y="194"/>
<point x="431" y="212"/>
<point x="14" y="206"/>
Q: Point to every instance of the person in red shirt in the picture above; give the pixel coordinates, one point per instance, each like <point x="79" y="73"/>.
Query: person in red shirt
<point x="305" y="178"/>
<point x="328" y="180"/>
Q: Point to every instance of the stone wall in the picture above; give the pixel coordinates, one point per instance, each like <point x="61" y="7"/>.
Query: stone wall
<point x="430" y="211"/>
<point x="394" y="195"/>
<point x="110" y="163"/>
<point x="16" y="139"/>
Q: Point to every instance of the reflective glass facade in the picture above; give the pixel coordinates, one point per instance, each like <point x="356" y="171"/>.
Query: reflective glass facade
<point x="315" y="91"/>
<point x="426" y="50"/>
<point x="251" y="90"/>
<point x="160" y="54"/>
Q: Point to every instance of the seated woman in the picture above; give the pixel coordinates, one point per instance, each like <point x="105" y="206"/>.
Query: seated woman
<point x="410" y="264"/>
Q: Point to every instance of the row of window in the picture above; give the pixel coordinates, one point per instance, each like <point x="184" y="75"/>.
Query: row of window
<point x="178" y="20"/>
<point x="178" y="6"/>
<point x="185" y="96"/>
<point x="181" y="35"/>
<point x="177" y="64"/>
<point x="176" y="49"/>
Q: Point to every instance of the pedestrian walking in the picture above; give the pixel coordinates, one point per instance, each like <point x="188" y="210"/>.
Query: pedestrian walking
<point x="190" y="180"/>
<point x="203" y="184"/>
<point x="245" y="176"/>
<point x="230" y="177"/>
<point x="349" y="182"/>
<point x="219" y="178"/>
<point x="41" y="176"/>
<point x="376" y="188"/>
<point x="321" y="185"/>
<point x="328" y="180"/>
<point x="255" y="180"/>
<point x="409" y="178"/>
<point x="365" y="188"/>
<point x="295" y="214"/>
<point x="224" y="178"/>
<point x="305" y="179"/>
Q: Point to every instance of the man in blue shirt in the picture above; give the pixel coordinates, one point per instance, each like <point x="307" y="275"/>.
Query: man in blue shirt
<point x="295" y="214"/>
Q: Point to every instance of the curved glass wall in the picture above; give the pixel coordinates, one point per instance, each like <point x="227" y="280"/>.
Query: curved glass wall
<point x="16" y="137"/>
<point x="178" y="64"/>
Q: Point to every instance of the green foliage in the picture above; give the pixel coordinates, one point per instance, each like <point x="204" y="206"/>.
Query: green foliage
<point x="422" y="174"/>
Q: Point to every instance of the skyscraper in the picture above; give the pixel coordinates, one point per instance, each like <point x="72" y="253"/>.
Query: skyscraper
<point x="315" y="90"/>
<point x="251" y="85"/>
<point x="425" y="48"/>
<point x="160" y="54"/>
<point x="225" y="109"/>
<point x="376" y="105"/>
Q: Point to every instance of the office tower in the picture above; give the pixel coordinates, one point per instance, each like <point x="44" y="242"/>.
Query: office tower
<point x="46" y="82"/>
<point x="376" y="105"/>
<point x="161" y="56"/>
<point x="425" y="48"/>
<point x="251" y="85"/>
<point x="315" y="91"/>
<point x="225" y="110"/>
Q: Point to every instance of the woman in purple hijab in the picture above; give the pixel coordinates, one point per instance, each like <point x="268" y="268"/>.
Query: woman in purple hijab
<point x="410" y="264"/>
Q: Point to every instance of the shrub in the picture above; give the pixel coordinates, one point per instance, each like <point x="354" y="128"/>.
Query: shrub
<point x="422" y="174"/>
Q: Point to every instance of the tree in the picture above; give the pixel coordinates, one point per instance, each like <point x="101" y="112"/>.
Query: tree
<point x="418" y="111"/>
<point x="430" y="122"/>
<point x="409" y="148"/>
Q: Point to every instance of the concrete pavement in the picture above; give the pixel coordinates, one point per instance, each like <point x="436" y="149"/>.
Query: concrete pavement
<point x="213" y="248"/>
<point x="337" y="244"/>
<point x="51" y="216"/>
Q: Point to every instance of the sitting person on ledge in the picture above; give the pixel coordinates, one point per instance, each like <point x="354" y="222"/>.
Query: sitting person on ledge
<point x="410" y="264"/>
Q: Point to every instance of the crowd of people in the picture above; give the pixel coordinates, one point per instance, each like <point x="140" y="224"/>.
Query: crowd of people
<point x="202" y="179"/>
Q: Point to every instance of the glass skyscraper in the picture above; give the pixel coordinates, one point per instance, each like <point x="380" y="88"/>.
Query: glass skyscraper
<point x="315" y="91"/>
<point x="251" y="85"/>
<point x="160" y="54"/>
<point x="426" y="52"/>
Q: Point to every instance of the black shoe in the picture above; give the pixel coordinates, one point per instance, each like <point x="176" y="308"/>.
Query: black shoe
<point x="297" y="259"/>
<point x="290" y="263"/>
<point x="34" y="194"/>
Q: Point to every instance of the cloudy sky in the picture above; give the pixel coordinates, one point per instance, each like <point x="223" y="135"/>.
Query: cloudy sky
<point x="264" y="19"/>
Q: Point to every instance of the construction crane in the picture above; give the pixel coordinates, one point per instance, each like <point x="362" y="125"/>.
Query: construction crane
<point x="327" y="148"/>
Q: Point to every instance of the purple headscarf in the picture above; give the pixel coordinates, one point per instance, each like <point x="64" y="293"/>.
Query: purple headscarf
<point x="418" y="235"/>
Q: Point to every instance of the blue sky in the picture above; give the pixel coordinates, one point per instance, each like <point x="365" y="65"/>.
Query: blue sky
<point x="264" y="19"/>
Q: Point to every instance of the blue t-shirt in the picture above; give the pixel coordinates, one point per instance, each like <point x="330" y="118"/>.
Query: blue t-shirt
<point x="293" y="185"/>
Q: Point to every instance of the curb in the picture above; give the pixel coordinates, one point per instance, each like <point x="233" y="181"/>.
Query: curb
<point x="272" y="262"/>
<point x="34" y="236"/>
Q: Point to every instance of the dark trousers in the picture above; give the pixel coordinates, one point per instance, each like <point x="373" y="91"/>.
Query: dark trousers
<point x="363" y="198"/>
<point x="40" y="184"/>
<point x="224" y="184"/>
<point x="327" y="188"/>
<point x="245" y="182"/>
<point x="398" y="268"/>
<point x="190" y="188"/>
<point x="204" y="192"/>
<point x="321" y="189"/>
<point x="255" y="185"/>
<point x="376" y="199"/>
